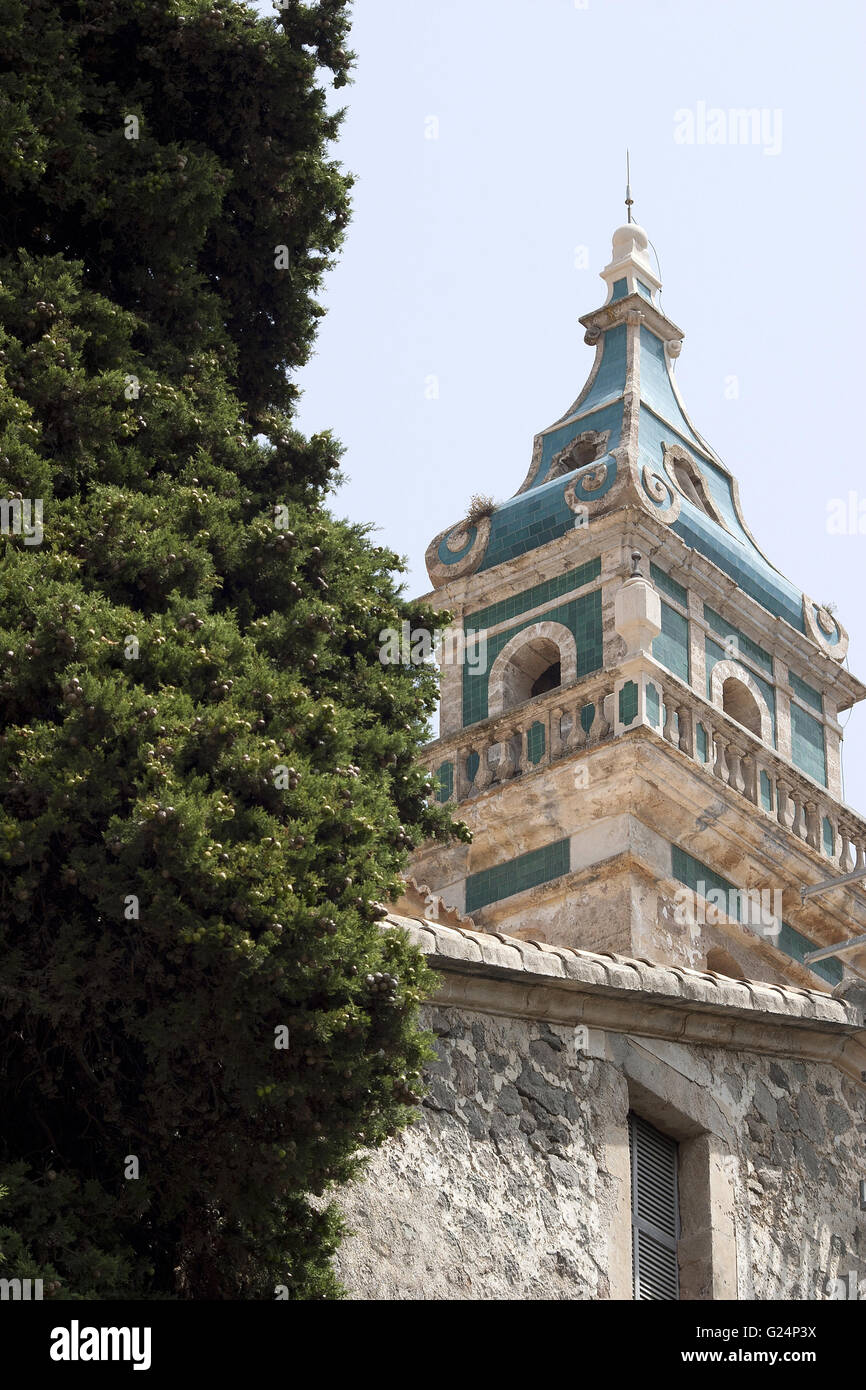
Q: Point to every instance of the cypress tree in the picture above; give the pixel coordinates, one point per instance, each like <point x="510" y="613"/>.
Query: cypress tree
<point x="207" y="774"/>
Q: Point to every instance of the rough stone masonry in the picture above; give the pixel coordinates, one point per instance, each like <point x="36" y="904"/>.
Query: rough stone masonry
<point x="514" y="1182"/>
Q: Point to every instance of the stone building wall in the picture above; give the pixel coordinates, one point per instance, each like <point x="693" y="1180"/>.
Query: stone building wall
<point x="514" y="1182"/>
<point x="500" y="1189"/>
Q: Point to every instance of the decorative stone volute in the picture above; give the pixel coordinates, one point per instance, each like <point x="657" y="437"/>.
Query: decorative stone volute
<point x="637" y="612"/>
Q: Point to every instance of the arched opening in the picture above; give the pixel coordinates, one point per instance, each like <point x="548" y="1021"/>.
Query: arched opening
<point x="740" y="704"/>
<point x="692" y="485"/>
<point x="533" y="669"/>
<point x="549" y="679"/>
<point x="722" y="963"/>
<point x="583" y="450"/>
<point x="539" y="657"/>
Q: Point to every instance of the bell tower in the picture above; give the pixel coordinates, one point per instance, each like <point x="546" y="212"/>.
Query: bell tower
<point x="639" y="722"/>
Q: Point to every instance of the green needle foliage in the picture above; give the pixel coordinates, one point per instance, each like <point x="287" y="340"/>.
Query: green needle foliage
<point x="207" y="776"/>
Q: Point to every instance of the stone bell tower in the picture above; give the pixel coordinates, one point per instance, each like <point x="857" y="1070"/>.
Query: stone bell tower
<point x="641" y="729"/>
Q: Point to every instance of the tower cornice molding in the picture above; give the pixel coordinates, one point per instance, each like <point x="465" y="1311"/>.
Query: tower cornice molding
<point x="633" y="525"/>
<point x="635" y="311"/>
<point x="679" y="801"/>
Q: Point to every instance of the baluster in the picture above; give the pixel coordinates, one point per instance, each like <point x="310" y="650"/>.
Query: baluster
<point x="484" y="775"/>
<point x="758" y="795"/>
<point x="462" y="783"/>
<point x="735" y="776"/>
<point x="604" y="715"/>
<point x="519" y="754"/>
<point x="834" y="831"/>
<point x="687" y="730"/>
<point x="846" y="859"/>
<point x="750" y="778"/>
<point x="499" y="762"/>
<point x="566" y="724"/>
<point x="782" y="789"/>
<point x="554" y="740"/>
<point x="505" y="766"/>
<point x="719" y="768"/>
<point x="798" y="824"/>
<point x="577" y="733"/>
<point x="813" y="833"/>
<point x="599" y="726"/>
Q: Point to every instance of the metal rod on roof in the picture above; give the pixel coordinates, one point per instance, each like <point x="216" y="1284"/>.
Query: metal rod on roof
<point x="628" y="198"/>
<point x="831" y="883"/>
<point x="836" y="950"/>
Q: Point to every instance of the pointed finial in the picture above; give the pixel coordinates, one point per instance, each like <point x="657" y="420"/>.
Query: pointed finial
<point x="628" y="198"/>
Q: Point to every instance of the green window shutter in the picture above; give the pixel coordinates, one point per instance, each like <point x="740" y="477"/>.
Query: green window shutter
<point x="655" y="1221"/>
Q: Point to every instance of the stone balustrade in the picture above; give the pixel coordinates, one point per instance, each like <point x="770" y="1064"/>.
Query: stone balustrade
<point x="568" y="720"/>
<point x="529" y="736"/>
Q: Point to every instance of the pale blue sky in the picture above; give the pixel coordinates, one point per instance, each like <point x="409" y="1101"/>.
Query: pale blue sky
<point x="460" y="261"/>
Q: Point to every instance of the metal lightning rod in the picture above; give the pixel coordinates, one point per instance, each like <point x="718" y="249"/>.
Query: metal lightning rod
<point x="628" y="198"/>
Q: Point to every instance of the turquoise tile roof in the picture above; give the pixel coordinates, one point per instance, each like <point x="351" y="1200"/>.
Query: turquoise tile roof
<point x="742" y="562"/>
<point x="533" y="518"/>
<point x="594" y="415"/>
<point x="539" y="513"/>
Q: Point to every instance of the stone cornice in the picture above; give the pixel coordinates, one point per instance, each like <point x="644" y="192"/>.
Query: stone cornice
<point x="625" y="527"/>
<point x="767" y="852"/>
<point x="497" y="974"/>
<point x="624" y="311"/>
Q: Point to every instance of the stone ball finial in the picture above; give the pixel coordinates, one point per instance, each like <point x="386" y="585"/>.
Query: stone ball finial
<point x="636" y="558"/>
<point x="629" y="240"/>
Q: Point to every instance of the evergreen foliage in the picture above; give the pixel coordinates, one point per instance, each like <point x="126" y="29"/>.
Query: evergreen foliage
<point x="207" y="777"/>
